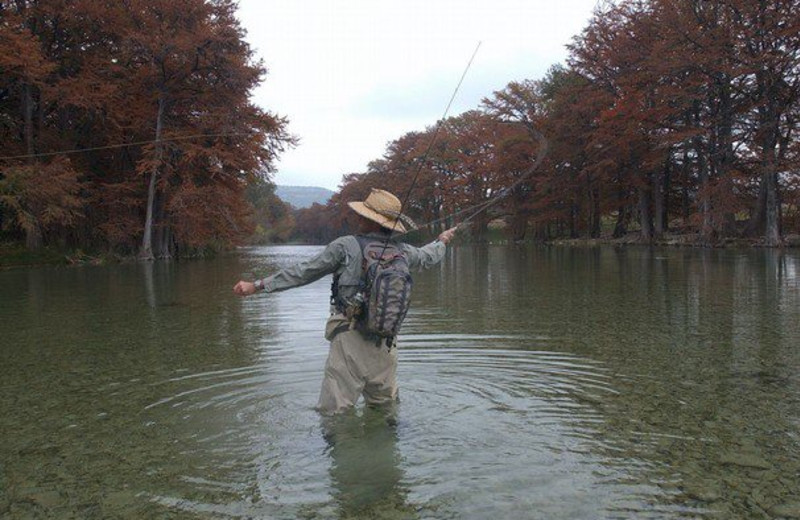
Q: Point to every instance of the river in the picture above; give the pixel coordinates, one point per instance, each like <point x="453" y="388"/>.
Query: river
<point x="536" y="382"/>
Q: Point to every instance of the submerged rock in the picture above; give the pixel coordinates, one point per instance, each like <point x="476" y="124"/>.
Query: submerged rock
<point x="788" y="510"/>
<point x="705" y="492"/>
<point x="46" y="498"/>
<point x="745" y="460"/>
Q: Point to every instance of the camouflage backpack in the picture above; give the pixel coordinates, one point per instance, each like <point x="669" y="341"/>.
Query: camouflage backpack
<point x="385" y="287"/>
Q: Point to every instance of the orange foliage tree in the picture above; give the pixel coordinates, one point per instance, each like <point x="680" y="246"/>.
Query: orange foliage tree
<point x="156" y="94"/>
<point x="670" y="116"/>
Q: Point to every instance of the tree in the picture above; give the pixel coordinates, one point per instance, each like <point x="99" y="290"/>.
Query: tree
<point x="105" y="78"/>
<point x="40" y="198"/>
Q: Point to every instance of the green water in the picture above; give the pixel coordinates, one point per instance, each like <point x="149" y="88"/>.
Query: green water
<point x="535" y="383"/>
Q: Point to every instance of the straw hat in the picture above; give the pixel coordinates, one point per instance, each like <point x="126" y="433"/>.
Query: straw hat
<point x="384" y="208"/>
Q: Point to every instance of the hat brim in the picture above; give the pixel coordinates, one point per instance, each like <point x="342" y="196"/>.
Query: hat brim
<point x="388" y="223"/>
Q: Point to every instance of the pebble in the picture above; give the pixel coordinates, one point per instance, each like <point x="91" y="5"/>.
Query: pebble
<point x="789" y="510"/>
<point x="705" y="495"/>
<point x="745" y="460"/>
<point x="703" y="490"/>
<point x="118" y="499"/>
<point x="45" y="498"/>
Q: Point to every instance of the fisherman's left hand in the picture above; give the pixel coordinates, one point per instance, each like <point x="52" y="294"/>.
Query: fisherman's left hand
<point x="244" y="288"/>
<point x="447" y="235"/>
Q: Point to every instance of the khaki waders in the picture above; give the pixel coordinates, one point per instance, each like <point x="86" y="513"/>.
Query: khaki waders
<point x="356" y="366"/>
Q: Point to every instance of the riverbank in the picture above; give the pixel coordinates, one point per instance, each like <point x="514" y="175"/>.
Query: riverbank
<point x="675" y="240"/>
<point x="14" y="255"/>
<point x="17" y="255"/>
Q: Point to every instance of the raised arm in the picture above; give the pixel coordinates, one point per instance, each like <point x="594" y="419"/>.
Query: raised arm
<point x="428" y="255"/>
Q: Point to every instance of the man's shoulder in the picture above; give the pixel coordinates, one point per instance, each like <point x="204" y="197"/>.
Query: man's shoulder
<point x="344" y="241"/>
<point x="369" y="238"/>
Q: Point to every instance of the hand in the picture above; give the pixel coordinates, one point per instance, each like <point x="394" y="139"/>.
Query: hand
<point x="447" y="235"/>
<point x="244" y="288"/>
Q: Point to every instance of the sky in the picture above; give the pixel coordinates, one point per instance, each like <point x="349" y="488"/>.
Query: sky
<point x="353" y="75"/>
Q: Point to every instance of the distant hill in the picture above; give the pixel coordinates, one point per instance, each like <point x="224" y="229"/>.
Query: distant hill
<point x="303" y="196"/>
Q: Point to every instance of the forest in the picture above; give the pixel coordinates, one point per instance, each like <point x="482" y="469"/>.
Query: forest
<point x="128" y="127"/>
<point x="670" y="118"/>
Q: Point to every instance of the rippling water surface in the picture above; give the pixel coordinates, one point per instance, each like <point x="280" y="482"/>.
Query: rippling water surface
<point x="535" y="383"/>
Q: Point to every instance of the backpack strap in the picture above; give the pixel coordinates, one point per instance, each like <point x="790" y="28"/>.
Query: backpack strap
<point x="363" y="242"/>
<point x="336" y="301"/>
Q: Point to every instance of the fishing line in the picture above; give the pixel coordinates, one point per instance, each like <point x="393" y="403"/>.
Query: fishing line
<point x="432" y="141"/>
<point x="482" y="206"/>
<point x="122" y="145"/>
<point x="541" y="153"/>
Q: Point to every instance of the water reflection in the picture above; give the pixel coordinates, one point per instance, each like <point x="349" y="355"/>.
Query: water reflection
<point x="365" y="464"/>
<point x="700" y="347"/>
<point x="535" y="383"/>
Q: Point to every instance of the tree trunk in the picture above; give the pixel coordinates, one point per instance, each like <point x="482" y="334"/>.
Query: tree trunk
<point x="33" y="233"/>
<point x="666" y="186"/>
<point x="724" y="157"/>
<point x="755" y="226"/>
<point x="645" y="216"/>
<point x="685" y="182"/>
<point x="621" y="227"/>
<point x="147" y="241"/>
<point x="659" y="200"/>
<point x="480" y="227"/>
<point x="769" y="175"/>
<point x="28" y="109"/>
<point x="437" y="216"/>
<point x="573" y="218"/>
<point x="519" y="225"/>
<point x="161" y="231"/>
<point x="772" y="233"/>
<point x="595" y="213"/>
<point x="769" y="181"/>
<point x="706" y="227"/>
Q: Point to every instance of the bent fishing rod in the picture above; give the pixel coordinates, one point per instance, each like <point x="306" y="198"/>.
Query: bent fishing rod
<point x="544" y="147"/>
<point x="483" y="205"/>
<point x="433" y="140"/>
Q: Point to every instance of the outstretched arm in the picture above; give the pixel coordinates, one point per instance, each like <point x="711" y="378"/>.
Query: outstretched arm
<point x="299" y="274"/>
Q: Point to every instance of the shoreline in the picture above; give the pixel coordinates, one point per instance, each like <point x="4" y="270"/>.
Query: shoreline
<point x="678" y="241"/>
<point x="13" y="256"/>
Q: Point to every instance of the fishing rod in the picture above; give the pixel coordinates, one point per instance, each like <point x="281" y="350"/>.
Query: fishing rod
<point x="541" y="153"/>
<point x="430" y="145"/>
<point x="482" y="206"/>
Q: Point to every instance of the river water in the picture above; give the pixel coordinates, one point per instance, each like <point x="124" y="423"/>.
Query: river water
<point x="553" y="383"/>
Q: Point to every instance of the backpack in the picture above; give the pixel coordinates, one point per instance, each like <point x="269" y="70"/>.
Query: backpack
<point x="385" y="287"/>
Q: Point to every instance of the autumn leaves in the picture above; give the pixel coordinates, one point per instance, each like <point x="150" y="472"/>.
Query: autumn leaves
<point x="162" y="74"/>
<point x="671" y="116"/>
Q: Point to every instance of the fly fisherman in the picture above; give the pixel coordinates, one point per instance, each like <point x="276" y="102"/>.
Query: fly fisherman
<point x="370" y="294"/>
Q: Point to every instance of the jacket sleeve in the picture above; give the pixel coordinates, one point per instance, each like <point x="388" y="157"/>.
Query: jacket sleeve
<point x="426" y="256"/>
<point x="327" y="262"/>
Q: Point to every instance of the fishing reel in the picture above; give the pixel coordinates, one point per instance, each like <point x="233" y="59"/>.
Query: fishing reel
<point x="355" y="307"/>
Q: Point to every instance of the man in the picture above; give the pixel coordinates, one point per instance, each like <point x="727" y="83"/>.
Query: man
<point x="357" y="365"/>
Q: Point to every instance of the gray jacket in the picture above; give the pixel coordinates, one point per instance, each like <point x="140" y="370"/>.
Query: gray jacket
<point x="343" y="257"/>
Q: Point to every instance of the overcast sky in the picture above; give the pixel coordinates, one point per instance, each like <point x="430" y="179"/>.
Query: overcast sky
<point x="352" y="75"/>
